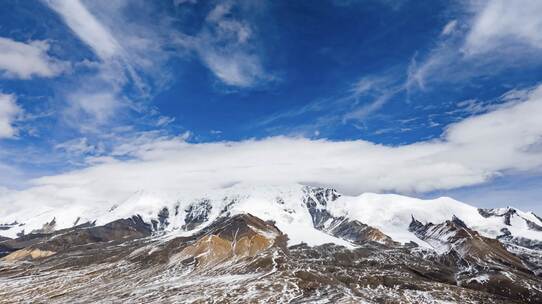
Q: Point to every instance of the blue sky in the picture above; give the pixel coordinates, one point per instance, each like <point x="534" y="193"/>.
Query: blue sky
<point x="421" y="98"/>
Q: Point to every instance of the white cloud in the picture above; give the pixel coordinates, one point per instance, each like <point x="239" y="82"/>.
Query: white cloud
<point x="372" y="84"/>
<point x="236" y="69"/>
<point x="79" y="146"/>
<point x="97" y="95"/>
<point x="164" y="121"/>
<point x="128" y="48"/>
<point x="9" y="111"/>
<point x="224" y="46"/>
<point x="498" y="34"/>
<point x="378" y="102"/>
<point x="444" y="62"/>
<point x="91" y="108"/>
<point x="501" y="22"/>
<point x="10" y="179"/>
<point x="25" y="60"/>
<point x="449" y="27"/>
<point x="86" y="27"/>
<point x="503" y="141"/>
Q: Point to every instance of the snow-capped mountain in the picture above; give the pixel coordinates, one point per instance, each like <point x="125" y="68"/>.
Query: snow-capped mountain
<point x="306" y="214"/>
<point x="294" y="236"/>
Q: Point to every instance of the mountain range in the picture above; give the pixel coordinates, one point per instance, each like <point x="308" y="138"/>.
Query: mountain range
<point x="273" y="244"/>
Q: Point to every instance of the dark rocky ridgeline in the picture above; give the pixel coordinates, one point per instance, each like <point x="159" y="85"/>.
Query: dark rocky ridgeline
<point x="355" y="231"/>
<point x="196" y="214"/>
<point x="4" y="249"/>
<point x="241" y="258"/>
<point x="35" y="245"/>
<point x="482" y="263"/>
<point x="382" y="274"/>
<point x="529" y="251"/>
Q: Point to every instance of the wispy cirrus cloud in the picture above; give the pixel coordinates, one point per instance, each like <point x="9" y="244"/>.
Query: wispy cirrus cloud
<point x="97" y="96"/>
<point x="79" y="146"/>
<point x="358" y="101"/>
<point x="449" y="28"/>
<point x="124" y="51"/>
<point x="484" y="39"/>
<point x="86" y="27"/>
<point x="373" y="92"/>
<point x="131" y="55"/>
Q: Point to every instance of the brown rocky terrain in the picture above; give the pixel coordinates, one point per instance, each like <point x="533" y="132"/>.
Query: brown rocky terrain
<point x="210" y="252"/>
<point x="245" y="259"/>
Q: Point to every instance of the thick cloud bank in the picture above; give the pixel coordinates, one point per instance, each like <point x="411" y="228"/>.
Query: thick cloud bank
<point x="472" y="151"/>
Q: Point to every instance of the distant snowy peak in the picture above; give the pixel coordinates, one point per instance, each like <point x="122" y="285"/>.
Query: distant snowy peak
<point x="512" y="216"/>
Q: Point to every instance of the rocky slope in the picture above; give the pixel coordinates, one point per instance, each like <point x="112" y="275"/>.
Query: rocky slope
<point x="278" y="245"/>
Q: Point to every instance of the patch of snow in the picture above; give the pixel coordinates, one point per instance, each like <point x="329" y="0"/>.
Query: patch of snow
<point x="484" y="278"/>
